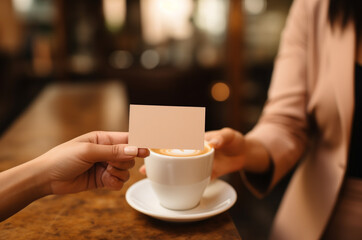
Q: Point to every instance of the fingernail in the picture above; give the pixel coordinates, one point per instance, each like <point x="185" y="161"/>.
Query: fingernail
<point x="131" y="150"/>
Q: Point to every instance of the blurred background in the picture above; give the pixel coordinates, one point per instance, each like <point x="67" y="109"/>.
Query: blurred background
<point x="213" y="53"/>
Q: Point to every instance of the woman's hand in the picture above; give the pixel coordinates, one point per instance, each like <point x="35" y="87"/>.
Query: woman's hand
<point x="93" y="160"/>
<point x="230" y="151"/>
<point x="229" y="147"/>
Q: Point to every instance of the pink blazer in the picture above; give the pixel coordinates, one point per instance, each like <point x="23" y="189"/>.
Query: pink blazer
<point x="308" y="117"/>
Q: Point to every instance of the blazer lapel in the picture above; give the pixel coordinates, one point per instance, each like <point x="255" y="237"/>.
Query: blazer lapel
<point x="342" y="57"/>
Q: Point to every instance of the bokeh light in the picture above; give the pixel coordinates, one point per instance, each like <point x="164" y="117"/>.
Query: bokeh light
<point x="220" y="91"/>
<point x="150" y="59"/>
<point x="255" y="6"/>
<point x="121" y="59"/>
<point x="114" y="14"/>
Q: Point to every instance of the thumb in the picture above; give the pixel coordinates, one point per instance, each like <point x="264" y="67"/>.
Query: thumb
<point x="223" y="138"/>
<point x="102" y="153"/>
<point x="215" y="142"/>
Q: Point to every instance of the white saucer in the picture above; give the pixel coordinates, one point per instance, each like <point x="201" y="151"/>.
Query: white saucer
<point x="218" y="197"/>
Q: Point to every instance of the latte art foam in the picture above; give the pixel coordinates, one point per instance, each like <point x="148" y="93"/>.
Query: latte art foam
<point x="181" y="152"/>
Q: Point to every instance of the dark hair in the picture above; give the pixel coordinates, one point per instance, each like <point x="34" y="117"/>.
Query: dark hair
<point x="346" y="10"/>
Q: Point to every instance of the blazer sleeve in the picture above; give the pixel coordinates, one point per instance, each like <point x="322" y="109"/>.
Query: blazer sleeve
<point x="282" y="127"/>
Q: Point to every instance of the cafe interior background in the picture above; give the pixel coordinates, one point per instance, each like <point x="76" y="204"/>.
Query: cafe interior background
<point x="213" y="53"/>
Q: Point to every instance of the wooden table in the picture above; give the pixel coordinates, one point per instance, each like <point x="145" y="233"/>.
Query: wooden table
<point x="62" y="112"/>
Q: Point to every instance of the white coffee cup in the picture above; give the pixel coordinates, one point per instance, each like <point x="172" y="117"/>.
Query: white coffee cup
<point x="179" y="177"/>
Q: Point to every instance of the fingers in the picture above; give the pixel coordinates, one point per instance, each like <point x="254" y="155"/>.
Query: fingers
<point x="114" y="178"/>
<point x="110" y="153"/>
<point x="142" y="170"/>
<point x="104" y="138"/>
<point x="143" y="152"/>
<point x="111" y="181"/>
<point x="220" y="137"/>
<point x="121" y="174"/>
<point x="127" y="150"/>
<point x="137" y="152"/>
<point x="123" y="165"/>
<point x="111" y="145"/>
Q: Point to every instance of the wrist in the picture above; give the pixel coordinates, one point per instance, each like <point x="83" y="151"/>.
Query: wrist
<point x="39" y="177"/>
<point x="257" y="158"/>
<point x="20" y="186"/>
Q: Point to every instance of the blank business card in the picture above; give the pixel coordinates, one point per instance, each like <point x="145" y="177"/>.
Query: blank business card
<point x="166" y="127"/>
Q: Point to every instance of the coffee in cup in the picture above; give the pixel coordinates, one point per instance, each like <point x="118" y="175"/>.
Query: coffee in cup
<point x="179" y="177"/>
<point x="182" y="152"/>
